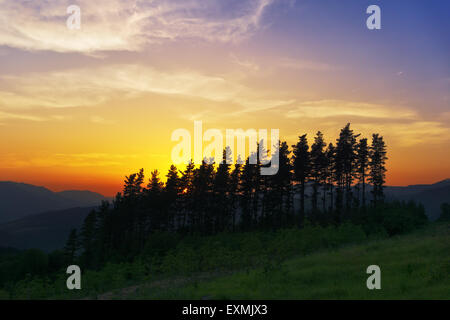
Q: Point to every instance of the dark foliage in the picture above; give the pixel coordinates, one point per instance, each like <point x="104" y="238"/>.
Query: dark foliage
<point x="152" y="219"/>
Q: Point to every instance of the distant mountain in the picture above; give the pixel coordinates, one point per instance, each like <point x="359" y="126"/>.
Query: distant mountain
<point x="430" y="195"/>
<point x="86" y="197"/>
<point x="18" y="200"/>
<point x="49" y="230"/>
<point x="415" y="188"/>
<point x="432" y="200"/>
<point x="46" y="231"/>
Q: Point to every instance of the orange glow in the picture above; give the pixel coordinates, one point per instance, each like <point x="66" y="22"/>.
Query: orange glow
<point x="83" y="110"/>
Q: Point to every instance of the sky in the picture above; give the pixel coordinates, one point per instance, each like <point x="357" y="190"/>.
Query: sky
<point x="82" y="108"/>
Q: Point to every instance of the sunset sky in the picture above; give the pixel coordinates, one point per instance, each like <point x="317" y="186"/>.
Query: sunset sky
<point x="80" y="109"/>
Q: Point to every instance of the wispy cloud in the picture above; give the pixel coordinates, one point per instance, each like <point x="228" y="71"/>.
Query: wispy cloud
<point x="247" y="64"/>
<point x="418" y="132"/>
<point x="125" y="25"/>
<point x="337" y="108"/>
<point x="75" y="160"/>
<point x="101" y="120"/>
<point x="88" y="87"/>
<point x="7" y="115"/>
<point x="401" y="126"/>
<point x="300" y="64"/>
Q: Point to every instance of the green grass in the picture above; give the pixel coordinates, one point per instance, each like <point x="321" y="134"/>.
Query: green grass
<point x="414" y="266"/>
<point x="308" y="263"/>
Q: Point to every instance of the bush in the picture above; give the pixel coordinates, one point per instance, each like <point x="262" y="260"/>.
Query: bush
<point x="4" y="295"/>
<point x="445" y="212"/>
<point x="395" y="218"/>
<point x="160" y="242"/>
<point x="172" y="254"/>
<point x="34" y="262"/>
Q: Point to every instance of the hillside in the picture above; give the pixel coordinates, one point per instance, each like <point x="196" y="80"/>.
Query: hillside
<point x="432" y="200"/>
<point x="46" y="231"/>
<point x="431" y="196"/>
<point x="414" y="266"/>
<point x="18" y="200"/>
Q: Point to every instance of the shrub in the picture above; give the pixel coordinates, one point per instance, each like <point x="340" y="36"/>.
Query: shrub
<point x="445" y="212"/>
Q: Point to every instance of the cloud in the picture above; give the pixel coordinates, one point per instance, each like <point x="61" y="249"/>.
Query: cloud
<point x="6" y="115"/>
<point x="283" y="63"/>
<point x="401" y="126"/>
<point x="418" y="132"/>
<point x="297" y="64"/>
<point x="65" y="160"/>
<point x="247" y="64"/>
<point x="445" y="115"/>
<point x="88" y="87"/>
<point x="126" y="25"/>
<point x="101" y="120"/>
<point x="338" y="108"/>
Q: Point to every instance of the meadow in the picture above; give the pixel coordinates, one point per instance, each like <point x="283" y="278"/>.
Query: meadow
<point x="415" y="266"/>
<point x="309" y="263"/>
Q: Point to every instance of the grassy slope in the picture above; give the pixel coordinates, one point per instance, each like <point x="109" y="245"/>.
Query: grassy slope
<point x="415" y="266"/>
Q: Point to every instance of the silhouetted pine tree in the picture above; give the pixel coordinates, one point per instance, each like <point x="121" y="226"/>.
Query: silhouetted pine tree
<point x="318" y="166"/>
<point x="301" y="167"/>
<point x="234" y="189"/>
<point x="129" y="213"/>
<point x="330" y="175"/>
<point x="156" y="217"/>
<point x="133" y="185"/>
<point x="280" y="189"/>
<point x="71" y="247"/>
<point x="377" y="169"/>
<point x="362" y="163"/>
<point x="248" y="190"/>
<point x="221" y="189"/>
<point x="186" y="201"/>
<point x="201" y="219"/>
<point x="262" y="202"/>
<point x="87" y="239"/>
<point x="206" y="201"/>
<point x="104" y="232"/>
<point x="345" y="168"/>
<point x="172" y="192"/>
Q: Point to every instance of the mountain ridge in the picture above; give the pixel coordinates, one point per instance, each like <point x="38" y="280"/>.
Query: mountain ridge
<point x="18" y="200"/>
<point x="46" y="230"/>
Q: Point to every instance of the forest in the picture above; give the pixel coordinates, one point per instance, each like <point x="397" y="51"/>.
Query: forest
<point x="207" y="217"/>
<point x="210" y="199"/>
